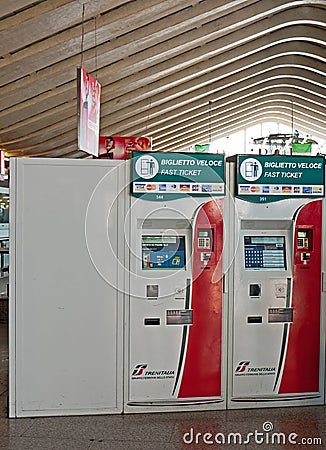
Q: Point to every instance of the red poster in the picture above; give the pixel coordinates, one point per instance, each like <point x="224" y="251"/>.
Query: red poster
<point x="120" y="147"/>
<point x="89" y="91"/>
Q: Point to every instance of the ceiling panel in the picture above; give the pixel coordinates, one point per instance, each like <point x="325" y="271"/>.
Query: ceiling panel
<point x="181" y="71"/>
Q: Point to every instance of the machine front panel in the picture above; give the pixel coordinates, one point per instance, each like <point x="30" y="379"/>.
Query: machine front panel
<point x="277" y="306"/>
<point x="175" y="317"/>
<point x="262" y="292"/>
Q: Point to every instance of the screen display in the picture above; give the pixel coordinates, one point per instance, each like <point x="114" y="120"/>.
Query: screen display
<point x="203" y="233"/>
<point x="265" y="252"/>
<point x="163" y="252"/>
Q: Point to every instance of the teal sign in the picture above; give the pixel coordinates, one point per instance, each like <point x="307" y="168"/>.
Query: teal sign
<point x="167" y="176"/>
<point x="271" y="178"/>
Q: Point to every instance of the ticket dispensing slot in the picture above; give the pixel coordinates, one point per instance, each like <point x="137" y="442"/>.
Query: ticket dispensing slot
<point x="254" y="319"/>
<point x="152" y="321"/>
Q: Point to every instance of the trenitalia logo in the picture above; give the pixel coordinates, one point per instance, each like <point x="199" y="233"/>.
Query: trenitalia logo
<point x="244" y="369"/>
<point x="138" y="370"/>
<point x="242" y="366"/>
<point x="141" y="372"/>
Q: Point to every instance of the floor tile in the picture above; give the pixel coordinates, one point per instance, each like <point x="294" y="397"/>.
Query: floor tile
<point x="3" y="383"/>
<point x="132" y="445"/>
<point x="4" y="405"/>
<point x="14" y="427"/>
<point x="21" y="443"/>
<point x="138" y="428"/>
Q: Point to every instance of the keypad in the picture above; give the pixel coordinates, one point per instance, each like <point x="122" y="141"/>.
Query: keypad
<point x="254" y="258"/>
<point x="203" y="242"/>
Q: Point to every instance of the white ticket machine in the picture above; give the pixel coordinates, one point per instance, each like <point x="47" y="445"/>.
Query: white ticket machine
<point x="175" y="316"/>
<point x="66" y="312"/>
<point x="276" y="334"/>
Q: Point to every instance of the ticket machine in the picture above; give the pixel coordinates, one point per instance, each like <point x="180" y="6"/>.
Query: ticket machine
<point x="176" y="318"/>
<point x="277" y="328"/>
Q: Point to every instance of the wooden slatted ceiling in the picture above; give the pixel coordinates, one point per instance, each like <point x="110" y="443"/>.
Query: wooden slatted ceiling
<point x="181" y="71"/>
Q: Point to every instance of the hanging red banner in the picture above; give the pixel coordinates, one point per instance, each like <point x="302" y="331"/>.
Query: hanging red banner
<point x="121" y="147"/>
<point x="89" y="91"/>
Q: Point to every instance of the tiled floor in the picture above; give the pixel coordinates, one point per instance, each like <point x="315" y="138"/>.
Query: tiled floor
<point x="160" y="431"/>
